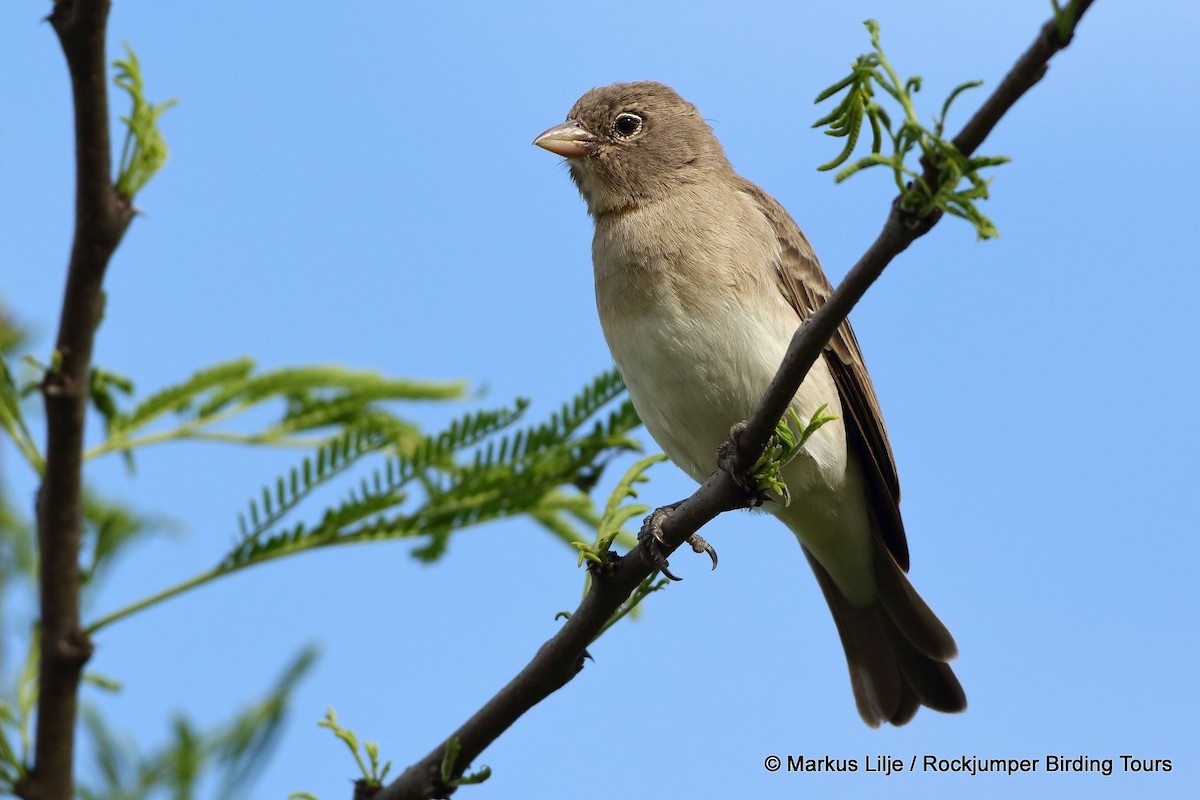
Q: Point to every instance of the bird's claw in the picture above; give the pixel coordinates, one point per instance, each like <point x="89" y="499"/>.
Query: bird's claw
<point x="699" y="545"/>
<point x="727" y="460"/>
<point x="651" y="539"/>
<point x="727" y="453"/>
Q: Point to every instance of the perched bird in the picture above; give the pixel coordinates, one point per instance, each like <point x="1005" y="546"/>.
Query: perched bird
<point x="701" y="280"/>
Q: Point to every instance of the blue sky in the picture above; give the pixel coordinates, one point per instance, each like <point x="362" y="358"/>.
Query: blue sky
<point x="355" y="184"/>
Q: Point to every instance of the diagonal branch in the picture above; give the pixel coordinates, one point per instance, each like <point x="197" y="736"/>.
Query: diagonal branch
<point x="101" y="217"/>
<point x="559" y="659"/>
<point x="898" y="233"/>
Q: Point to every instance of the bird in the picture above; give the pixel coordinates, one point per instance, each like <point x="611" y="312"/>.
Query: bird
<point x="701" y="279"/>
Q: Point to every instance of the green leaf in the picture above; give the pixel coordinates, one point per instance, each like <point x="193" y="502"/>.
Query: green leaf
<point x="102" y="386"/>
<point x="453" y="748"/>
<point x="875" y="159"/>
<point x="102" y="682"/>
<point x="231" y="753"/>
<point x="13" y="420"/>
<point x="962" y="87"/>
<point x="977" y="163"/>
<point x="145" y="149"/>
<point x="316" y="398"/>
<point x="298" y="383"/>
<point x="1065" y="18"/>
<point x="617" y="512"/>
<point x="177" y="398"/>
<point x="791" y="434"/>
<point x="243" y="746"/>
<point x="430" y="487"/>
<point x="873" y="72"/>
<point x="372" y="776"/>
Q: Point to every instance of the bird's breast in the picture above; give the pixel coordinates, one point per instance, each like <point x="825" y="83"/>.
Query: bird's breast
<point x="697" y="326"/>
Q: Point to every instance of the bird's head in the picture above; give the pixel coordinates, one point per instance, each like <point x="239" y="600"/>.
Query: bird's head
<point x="632" y="143"/>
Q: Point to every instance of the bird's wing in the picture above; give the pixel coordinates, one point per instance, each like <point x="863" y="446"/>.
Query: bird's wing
<point x="803" y="283"/>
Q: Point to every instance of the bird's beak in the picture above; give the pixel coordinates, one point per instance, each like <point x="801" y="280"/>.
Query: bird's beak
<point x="569" y="140"/>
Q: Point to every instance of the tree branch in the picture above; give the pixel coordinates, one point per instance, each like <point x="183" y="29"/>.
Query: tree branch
<point x="101" y="217"/>
<point x="1028" y="70"/>
<point x="898" y="233"/>
<point x="559" y="659"/>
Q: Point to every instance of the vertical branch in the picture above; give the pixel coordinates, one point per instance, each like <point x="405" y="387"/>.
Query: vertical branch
<point x="101" y="217"/>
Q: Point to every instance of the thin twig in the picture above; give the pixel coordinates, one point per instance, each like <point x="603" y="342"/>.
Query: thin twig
<point x="559" y="659"/>
<point x="101" y="217"/>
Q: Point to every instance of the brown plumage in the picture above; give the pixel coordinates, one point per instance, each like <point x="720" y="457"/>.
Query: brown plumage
<point x="701" y="278"/>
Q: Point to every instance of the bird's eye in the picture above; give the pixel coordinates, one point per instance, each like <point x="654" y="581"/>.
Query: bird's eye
<point x="627" y="124"/>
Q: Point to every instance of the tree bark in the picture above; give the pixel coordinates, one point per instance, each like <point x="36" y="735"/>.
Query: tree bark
<point x="101" y="217"/>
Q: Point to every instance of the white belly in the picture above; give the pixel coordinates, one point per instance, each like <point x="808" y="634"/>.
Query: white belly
<point x="693" y="373"/>
<point x="697" y="345"/>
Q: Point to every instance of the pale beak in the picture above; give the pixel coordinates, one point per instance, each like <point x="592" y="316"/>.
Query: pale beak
<point x="569" y="140"/>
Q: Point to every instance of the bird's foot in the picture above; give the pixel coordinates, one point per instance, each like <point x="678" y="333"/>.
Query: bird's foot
<point x="651" y="539"/>
<point x="727" y="460"/>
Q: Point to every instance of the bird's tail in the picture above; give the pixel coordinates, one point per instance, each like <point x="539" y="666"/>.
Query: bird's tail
<point x="896" y="649"/>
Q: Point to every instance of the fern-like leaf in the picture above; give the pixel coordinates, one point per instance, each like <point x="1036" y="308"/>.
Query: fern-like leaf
<point x="617" y="512"/>
<point x="177" y="398"/>
<point x="871" y="72"/>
